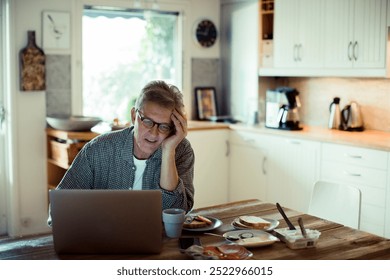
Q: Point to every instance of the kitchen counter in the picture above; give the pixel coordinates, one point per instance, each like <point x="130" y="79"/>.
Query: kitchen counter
<point x="205" y="125"/>
<point x="372" y="139"/>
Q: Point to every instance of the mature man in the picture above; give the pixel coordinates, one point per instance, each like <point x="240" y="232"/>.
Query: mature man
<point x="151" y="154"/>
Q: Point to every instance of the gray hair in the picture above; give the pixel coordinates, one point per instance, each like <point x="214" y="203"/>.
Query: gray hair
<point x="165" y="95"/>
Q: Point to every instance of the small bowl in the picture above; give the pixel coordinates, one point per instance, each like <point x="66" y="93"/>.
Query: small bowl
<point x="72" y="123"/>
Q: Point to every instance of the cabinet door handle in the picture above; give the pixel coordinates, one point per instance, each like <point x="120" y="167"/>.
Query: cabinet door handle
<point x="350" y="54"/>
<point x="263" y="166"/>
<point x="355" y="51"/>
<point x="295" y="52"/>
<point x="227" y="153"/>
<point x="2" y="117"/>
<point x="299" y="56"/>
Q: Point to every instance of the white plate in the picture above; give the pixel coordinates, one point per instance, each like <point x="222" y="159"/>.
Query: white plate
<point x="237" y="225"/>
<point x="215" y="224"/>
<point x="251" y="238"/>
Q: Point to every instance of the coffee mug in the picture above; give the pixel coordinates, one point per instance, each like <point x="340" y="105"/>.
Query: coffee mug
<point x="173" y="219"/>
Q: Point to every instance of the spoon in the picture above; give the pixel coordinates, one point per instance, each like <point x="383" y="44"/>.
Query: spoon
<point x="229" y="237"/>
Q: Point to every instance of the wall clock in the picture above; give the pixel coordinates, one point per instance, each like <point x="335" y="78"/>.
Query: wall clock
<point x="205" y="33"/>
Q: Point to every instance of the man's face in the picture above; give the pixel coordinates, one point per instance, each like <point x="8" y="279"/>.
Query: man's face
<point x="148" y="140"/>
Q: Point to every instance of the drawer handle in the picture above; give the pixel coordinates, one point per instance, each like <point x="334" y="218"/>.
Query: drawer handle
<point x="294" y="142"/>
<point x="352" y="174"/>
<point x="249" y="140"/>
<point x="353" y="156"/>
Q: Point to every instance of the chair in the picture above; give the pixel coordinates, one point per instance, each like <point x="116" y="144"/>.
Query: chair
<point x="336" y="202"/>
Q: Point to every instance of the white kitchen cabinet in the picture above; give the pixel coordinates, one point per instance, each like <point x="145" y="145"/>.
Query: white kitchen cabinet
<point x="387" y="213"/>
<point x="388" y="13"/>
<point x="293" y="168"/>
<point x="273" y="168"/>
<point x="355" y="33"/>
<point x="211" y="166"/>
<point x="365" y="169"/>
<point x="298" y="33"/>
<point x="248" y="165"/>
<point x="345" y="38"/>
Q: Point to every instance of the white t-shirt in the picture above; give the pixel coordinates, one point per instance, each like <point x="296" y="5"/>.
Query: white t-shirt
<point x="140" y="165"/>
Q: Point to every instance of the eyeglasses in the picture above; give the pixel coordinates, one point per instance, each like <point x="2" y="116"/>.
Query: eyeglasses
<point x="162" y="127"/>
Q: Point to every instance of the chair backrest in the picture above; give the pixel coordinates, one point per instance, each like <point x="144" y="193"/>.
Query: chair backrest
<point x="339" y="203"/>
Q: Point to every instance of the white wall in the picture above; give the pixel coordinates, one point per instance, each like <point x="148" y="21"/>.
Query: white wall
<point x="28" y="187"/>
<point x="28" y="190"/>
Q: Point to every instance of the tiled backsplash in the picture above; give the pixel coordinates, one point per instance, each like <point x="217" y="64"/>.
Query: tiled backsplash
<point x="58" y="85"/>
<point x="316" y="94"/>
<point x="206" y="73"/>
<point x="373" y="96"/>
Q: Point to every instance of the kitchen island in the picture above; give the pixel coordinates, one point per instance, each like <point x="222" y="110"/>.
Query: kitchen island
<point x="336" y="242"/>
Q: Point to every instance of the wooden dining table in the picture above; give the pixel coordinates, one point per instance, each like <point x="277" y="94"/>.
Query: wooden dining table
<point x="336" y="242"/>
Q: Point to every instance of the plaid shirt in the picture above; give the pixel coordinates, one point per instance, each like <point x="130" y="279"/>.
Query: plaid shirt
<point x="106" y="162"/>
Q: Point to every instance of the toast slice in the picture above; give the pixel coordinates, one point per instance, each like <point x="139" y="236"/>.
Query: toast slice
<point x="198" y="222"/>
<point x="195" y="224"/>
<point x="254" y="222"/>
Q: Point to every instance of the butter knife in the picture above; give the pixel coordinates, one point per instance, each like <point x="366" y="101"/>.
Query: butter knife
<point x="280" y="209"/>
<point x="303" y="230"/>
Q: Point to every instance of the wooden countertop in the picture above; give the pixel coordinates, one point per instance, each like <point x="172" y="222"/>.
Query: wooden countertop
<point x="372" y="139"/>
<point x="205" y="125"/>
<point x="336" y="242"/>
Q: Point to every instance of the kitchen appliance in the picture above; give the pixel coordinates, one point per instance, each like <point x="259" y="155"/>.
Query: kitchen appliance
<point x="335" y="114"/>
<point x="351" y="117"/>
<point x="282" y="108"/>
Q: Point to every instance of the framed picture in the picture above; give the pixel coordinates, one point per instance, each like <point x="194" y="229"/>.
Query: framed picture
<point x="56" y="31"/>
<point x="206" y="102"/>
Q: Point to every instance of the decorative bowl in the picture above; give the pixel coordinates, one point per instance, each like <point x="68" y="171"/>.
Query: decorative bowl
<point x="72" y="123"/>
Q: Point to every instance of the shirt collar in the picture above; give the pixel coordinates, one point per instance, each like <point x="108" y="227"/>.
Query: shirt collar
<point x="127" y="152"/>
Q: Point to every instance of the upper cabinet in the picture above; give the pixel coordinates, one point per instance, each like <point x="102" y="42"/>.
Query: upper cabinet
<point x="345" y="38"/>
<point x="355" y="33"/>
<point x="298" y="36"/>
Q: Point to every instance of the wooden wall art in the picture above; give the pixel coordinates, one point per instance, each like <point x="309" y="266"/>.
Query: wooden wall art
<point x="32" y="66"/>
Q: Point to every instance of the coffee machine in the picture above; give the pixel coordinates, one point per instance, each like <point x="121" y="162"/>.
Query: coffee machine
<point x="282" y="109"/>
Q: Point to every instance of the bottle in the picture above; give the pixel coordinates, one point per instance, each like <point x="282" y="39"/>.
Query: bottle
<point x="32" y="66"/>
<point x="335" y="114"/>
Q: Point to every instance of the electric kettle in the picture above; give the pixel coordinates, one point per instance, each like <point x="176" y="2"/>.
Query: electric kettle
<point x="335" y="114"/>
<point x="351" y="118"/>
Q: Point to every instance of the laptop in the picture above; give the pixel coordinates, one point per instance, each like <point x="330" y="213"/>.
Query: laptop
<point x="106" y="221"/>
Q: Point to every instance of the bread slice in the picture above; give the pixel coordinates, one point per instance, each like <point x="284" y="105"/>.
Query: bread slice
<point x="195" y="224"/>
<point x="203" y="219"/>
<point x="198" y="222"/>
<point x="254" y="222"/>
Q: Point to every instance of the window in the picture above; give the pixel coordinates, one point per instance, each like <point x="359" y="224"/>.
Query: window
<point x="122" y="51"/>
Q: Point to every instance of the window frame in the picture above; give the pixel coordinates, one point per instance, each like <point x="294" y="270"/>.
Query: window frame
<point x="76" y="60"/>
